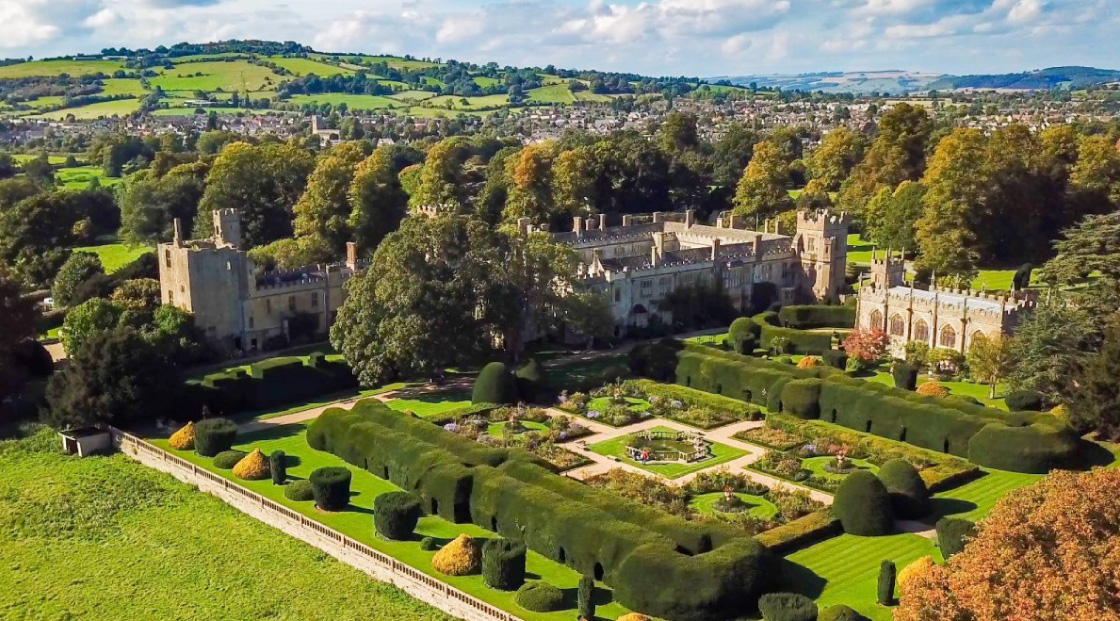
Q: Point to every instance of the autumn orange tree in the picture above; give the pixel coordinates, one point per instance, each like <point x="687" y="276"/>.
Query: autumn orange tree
<point x="1048" y="552"/>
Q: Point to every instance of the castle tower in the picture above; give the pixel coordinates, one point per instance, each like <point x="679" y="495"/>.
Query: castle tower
<point x="227" y="228"/>
<point x="821" y="243"/>
<point x="888" y="272"/>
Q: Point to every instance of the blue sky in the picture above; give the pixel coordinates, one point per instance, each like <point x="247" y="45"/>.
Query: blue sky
<point x="659" y="37"/>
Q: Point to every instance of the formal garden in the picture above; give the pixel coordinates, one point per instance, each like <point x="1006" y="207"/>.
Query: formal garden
<point x="667" y="452"/>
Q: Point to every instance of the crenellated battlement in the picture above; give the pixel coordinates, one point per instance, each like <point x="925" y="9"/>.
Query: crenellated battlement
<point x="824" y="220"/>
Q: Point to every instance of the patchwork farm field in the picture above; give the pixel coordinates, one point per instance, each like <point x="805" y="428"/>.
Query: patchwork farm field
<point x="51" y="68"/>
<point x="216" y="75"/>
<point x="119" y="107"/>
<point x="304" y="66"/>
<point x="353" y="102"/>
<point x="201" y="559"/>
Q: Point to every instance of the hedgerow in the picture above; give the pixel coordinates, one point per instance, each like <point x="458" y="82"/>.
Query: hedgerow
<point x="268" y="384"/>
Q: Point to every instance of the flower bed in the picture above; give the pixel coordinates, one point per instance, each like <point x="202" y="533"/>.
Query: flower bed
<point x="531" y="429"/>
<point x="790" y="467"/>
<point x="772" y="438"/>
<point x="623" y="403"/>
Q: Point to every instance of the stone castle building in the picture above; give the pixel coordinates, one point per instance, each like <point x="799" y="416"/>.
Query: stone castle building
<point x="939" y="317"/>
<point x="237" y="306"/>
<point x="637" y="264"/>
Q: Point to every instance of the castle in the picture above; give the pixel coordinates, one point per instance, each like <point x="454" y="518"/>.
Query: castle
<point x="939" y="317"/>
<point x="238" y="308"/>
<point x="637" y="264"/>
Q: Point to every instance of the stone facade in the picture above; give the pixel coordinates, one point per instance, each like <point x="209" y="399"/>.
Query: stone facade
<point x="637" y="264"/>
<point x="939" y="317"/>
<point x="236" y="305"/>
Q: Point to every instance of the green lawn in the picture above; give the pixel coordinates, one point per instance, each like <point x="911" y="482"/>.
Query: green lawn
<point x="228" y="76"/>
<point x="484" y="81"/>
<point x="78" y="178"/>
<point x="845" y="569"/>
<point x="721" y="453"/>
<point x="583" y="375"/>
<point x="977" y="391"/>
<point x="816" y="466"/>
<point x="122" y="86"/>
<point x="50" y="68"/>
<point x="411" y="96"/>
<point x="108" y="538"/>
<point x="554" y="93"/>
<point x="304" y="66"/>
<point x="975" y="499"/>
<point x="431" y="405"/>
<point x="114" y="256"/>
<point x="760" y="507"/>
<point x="357" y="521"/>
<point x="859" y="251"/>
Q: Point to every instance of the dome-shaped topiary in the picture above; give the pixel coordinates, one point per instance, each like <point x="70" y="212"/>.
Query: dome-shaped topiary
<point x="461" y="557"/>
<point x="503" y="564"/>
<point x="331" y="487"/>
<point x="299" y="491"/>
<point x="532" y="381"/>
<point x="214" y="435"/>
<point x="494" y="384"/>
<point x="395" y="515"/>
<point x="933" y="388"/>
<point x="863" y="505"/>
<point x="787" y="607"/>
<point x="182" y="440"/>
<point x="228" y="459"/>
<point x="540" y="597"/>
<point x="742" y="336"/>
<point x="429" y="544"/>
<point x="1023" y="400"/>
<point x="840" y="613"/>
<point x="909" y="494"/>
<point x="253" y="467"/>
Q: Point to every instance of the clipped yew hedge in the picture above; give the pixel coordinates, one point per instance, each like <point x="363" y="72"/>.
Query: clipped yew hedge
<point x="807" y="317"/>
<point x="214" y="435"/>
<point x="494" y="384"/>
<point x="863" y="505"/>
<point x="1017" y="441"/>
<point x="909" y="494"/>
<point x="503" y="564"/>
<point x="395" y="515"/>
<point x="655" y="562"/>
<point x="331" y="488"/>
<point x="268" y="384"/>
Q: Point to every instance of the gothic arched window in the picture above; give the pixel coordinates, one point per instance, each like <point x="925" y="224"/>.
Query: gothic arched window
<point x="876" y="320"/>
<point x="948" y="337"/>
<point x="898" y="327"/>
<point x="921" y="331"/>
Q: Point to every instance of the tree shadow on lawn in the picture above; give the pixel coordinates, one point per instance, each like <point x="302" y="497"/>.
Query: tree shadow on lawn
<point x="1092" y="454"/>
<point x="801" y="579"/>
<point x="942" y="507"/>
<point x="275" y="432"/>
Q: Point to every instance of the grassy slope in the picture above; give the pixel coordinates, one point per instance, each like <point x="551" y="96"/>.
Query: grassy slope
<point x="107" y="538"/>
<point x="357" y="521"/>
<point x="975" y="499"/>
<point x="354" y="102"/>
<point x="222" y="75"/>
<point x="49" y="68"/>
<point x="556" y="93"/>
<point x="617" y="447"/>
<point x="118" y="107"/>
<point x="78" y="178"/>
<point x="114" y="256"/>
<point x="845" y="569"/>
<point x="304" y="66"/>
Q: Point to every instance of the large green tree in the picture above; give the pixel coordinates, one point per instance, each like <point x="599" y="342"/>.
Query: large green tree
<point x="442" y="177"/>
<point x="149" y="206"/>
<point x="324" y="209"/>
<point x="1095" y="401"/>
<point x="377" y="200"/>
<point x="897" y="154"/>
<point x="78" y="268"/>
<point x="954" y="187"/>
<point x="890" y="216"/>
<point x="762" y="190"/>
<point x="832" y="162"/>
<point x="16" y="329"/>
<point x="1048" y="348"/>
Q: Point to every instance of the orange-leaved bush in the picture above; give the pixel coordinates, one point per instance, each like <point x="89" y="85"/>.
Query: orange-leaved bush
<point x="809" y="362"/>
<point x="252" y="467"/>
<point x="1048" y="552"/>
<point x="182" y="440"/>
<point x="933" y="389"/>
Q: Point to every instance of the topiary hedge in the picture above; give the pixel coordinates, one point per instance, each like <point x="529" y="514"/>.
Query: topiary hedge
<point x="905" y="376"/>
<point x="807" y="317"/>
<point x="863" y="505"/>
<point x="461" y="557"/>
<point x="885" y="586"/>
<point x="742" y="336"/>
<point x="299" y="491"/>
<point x="429" y="544"/>
<point x="268" y="384"/>
<point x="278" y="467"/>
<point x="909" y="495"/>
<point x="787" y="607"/>
<point x="840" y="613"/>
<point x="835" y="359"/>
<point x="214" y="435"/>
<point x="494" y="384"/>
<point x="585" y="599"/>
<point x="395" y="515"/>
<point x="801" y="398"/>
<point x="253" y="467"/>
<point x="228" y="459"/>
<point x="1023" y="400"/>
<point x="331" y="487"/>
<point x="503" y="564"/>
<point x="532" y="381"/>
<point x="953" y="534"/>
<point x="540" y="597"/>
<point x="182" y="440"/>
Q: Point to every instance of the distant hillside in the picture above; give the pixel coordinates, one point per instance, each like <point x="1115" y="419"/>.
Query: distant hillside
<point x="1041" y="80"/>
<point x="899" y="82"/>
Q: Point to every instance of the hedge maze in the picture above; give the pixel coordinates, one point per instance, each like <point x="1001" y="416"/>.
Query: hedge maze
<point x="657" y="563"/>
<point x="1016" y="441"/>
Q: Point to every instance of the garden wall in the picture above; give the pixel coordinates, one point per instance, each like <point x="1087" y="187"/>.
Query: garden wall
<point x="657" y="563"/>
<point x="1016" y="441"/>
<point x="381" y="567"/>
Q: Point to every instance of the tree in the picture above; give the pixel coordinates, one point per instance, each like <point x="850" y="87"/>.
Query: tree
<point x="530" y="191"/>
<point x="890" y="216"/>
<point x="290" y="254"/>
<point x="263" y="183"/>
<point x="1097" y="171"/>
<point x="139" y="295"/>
<point x="149" y="206"/>
<point x="1046" y="552"/>
<point x="377" y="200"/>
<point x="762" y="190"/>
<point x="897" y="154"/>
<point x="1096" y="400"/>
<point x="77" y="269"/>
<point x="441" y="179"/>
<point x="866" y="345"/>
<point x="573" y="183"/>
<point x="678" y="132"/>
<point x="1049" y="346"/>
<point x="833" y="161"/>
<point x="954" y="188"/>
<point x="118" y="378"/>
<point x="8" y="167"/>
<point x="85" y="321"/>
<point x="588" y="314"/>
<point x="324" y="209"/>
<point x="1091" y="246"/>
<point x="731" y="154"/>
<point x="17" y="328"/>
<point x="989" y="360"/>
<point x="37" y="232"/>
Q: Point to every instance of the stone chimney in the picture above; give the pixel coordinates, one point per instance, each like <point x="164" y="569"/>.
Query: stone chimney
<point x="627" y="220"/>
<point x="656" y="217"/>
<point x="523" y="226"/>
<point x="178" y="239"/>
<point x="577" y="225"/>
<point x="758" y="244"/>
<point x="602" y="222"/>
<point x="689" y="217"/>
<point x="352" y="255"/>
<point x="715" y="248"/>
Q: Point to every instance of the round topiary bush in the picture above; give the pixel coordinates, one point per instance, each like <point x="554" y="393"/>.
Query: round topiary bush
<point x="787" y="607"/>
<point x="863" y="505"/>
<point x="1023" y="400"/>
<point x="840" y="613"/>
<point x="429" y="544"/>
<point x="503" y="564"/>
<point x="253" y="467"/>
<point x="278" y="467"/>
<point x="905" y="376"/>
<point x="953" y="534"/>
<point x="228" y="459"/>
<point x="214" y="435"/>
<point x="801" y="398"/>
<point x="331" y="487"/>
<point x="532" y="381"/>
<point x="395" y="515"/>
<point x="742" y="337"/>
<point x="299" y="491"/>
<point x="461" y="557"/>
<point x="540" y="597"/>
<point x="182" y="440"/>
<point x="909" y="494"/>
<point x="494" y="384"/>
<point x="933" y="388"/>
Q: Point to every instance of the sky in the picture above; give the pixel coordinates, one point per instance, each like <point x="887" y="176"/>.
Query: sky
<point x="653" y="37"/>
